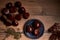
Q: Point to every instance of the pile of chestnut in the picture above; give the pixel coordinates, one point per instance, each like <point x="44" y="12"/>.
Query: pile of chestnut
<point x="34" y="28"/>
<point x="12" y="13"/>
<point x="55" y="30"/>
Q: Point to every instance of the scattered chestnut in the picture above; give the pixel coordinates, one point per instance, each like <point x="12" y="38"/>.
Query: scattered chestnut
<point x="53" y="37"/>
<point x="9" y="5"/>
<point x="5" y="11"/>
<point x="18" y="17"/>
<point x="5" y="21"/>
<point x="12" y="9"/>
<point x="18" y="4"/>
<point x="2" y="18"/>
<point x="14" y="23"/>
<point x="25" y="15"/>
<point x="21" y="10"/>
<point x="10" y="17"/>
<point x="9" y="9"/>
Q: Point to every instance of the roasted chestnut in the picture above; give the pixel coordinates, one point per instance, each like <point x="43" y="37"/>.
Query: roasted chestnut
<point x="53" y="37"/>
<point x="21" y="10"/>
<point x="12" y="9"/>
<point x="9" y="5"/>
<point x="18" y="17"/>
<point x="26" y="15"/>
<point x="10" y="17"/>
<point x="5" y="21"/>
<point x="5" y="11"/>
<point x="14" y="23"/>
<point x="2" y="18"/>
<point x="36" y="24"/>
<point x="18" y="4"/>
<point x="30" y="29"/>
<point x="36" y="32"/>
<point x="59" y="38"/>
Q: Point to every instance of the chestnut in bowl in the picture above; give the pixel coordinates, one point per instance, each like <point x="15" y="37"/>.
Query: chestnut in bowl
<point x="30" y="29"/>
<point x="36" y="24"/>
<point x="36" y="32"/>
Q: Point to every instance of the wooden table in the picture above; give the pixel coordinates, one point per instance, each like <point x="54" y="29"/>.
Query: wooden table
<point x="36" y="12"/>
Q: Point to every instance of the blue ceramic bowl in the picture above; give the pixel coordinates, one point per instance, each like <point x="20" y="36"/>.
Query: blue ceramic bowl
<point x="30" y="35"/>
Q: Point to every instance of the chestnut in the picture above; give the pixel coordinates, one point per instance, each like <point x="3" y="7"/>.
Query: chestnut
<point x="59" y="38"/>
<point x="5" y="11"/>
<point x="18" y="17"/>
<point x="7" y="23"/>
<point x="36" y="32"/>
<point x="14" y="23"/>
<point x="21" y="10"/>
<point x="2" y="19"/>
<point x="36" y="24"/>
<point x="9" y="5"/>
<point x="12" y="9"/>
<point x="29" y="29"/>
<point x="10" y="17"/>
<point x="17" y="4"/>
<point x="53" y="37"/>
<point x="26" y="15"/>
